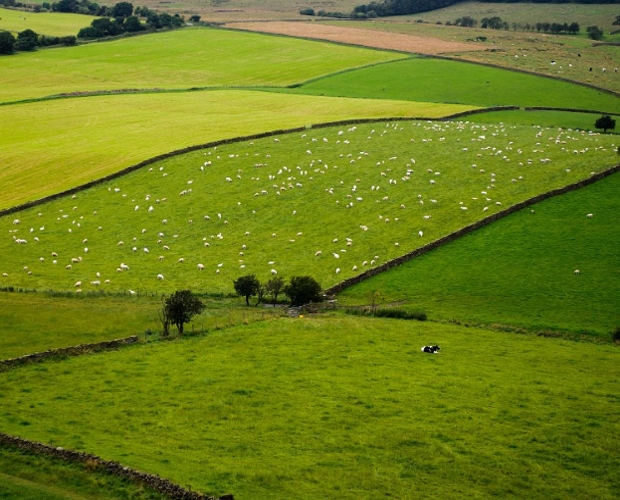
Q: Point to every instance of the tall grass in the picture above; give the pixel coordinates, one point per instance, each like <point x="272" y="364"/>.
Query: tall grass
<point x="341" y="407"/>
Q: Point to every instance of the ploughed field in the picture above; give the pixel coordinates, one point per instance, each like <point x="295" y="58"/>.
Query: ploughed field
<point x="330" y="202"/>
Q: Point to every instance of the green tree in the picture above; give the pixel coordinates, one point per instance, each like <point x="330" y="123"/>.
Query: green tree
<point x="194" y="18"/>
<point x="303" y="290"/>
<point x="247" y="286"/>
<point x="7" y="41"/>
<point x="594" y="33"/>
<point x="26" y="40"/>
<point x="122" y="9"/>
<point x="274" y="287"/>
<point x="606" y="123"/>
<point x="132" y="24"/>
<point x="180" y="307"/>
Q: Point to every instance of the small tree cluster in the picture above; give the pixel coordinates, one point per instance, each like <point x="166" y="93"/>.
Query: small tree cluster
<point x="605" y="122"/>
<point x="28" y="40"/>
<point x="300" y="289"/>
<point x="594" y="33"/>
<point x="178" y="309"/>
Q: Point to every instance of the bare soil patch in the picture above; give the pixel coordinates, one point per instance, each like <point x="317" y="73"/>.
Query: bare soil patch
<point x="357" y="36"/>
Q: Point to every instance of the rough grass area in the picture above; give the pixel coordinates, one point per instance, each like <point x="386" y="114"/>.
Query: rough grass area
<point x="43" y="23"/>
<point x="520" y="270"/>
<point x="27" y="477"/>
<point x="35" y="322"/>
<point x="339" y="407"/>
<point x="184" y="59"/>
<point x="55" y="145"/>
<point x="425" y="79"/>
<point x="531" y="51"/>
<point x="327" y="202"/>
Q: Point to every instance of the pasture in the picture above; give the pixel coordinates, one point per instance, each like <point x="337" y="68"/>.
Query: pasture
<point x="50" y="146"/>
<point x="43" y="23"/>
<point x="520" y="270"/>
<point x="417" y="79"/>
<point x="530" y="51"/>
<point x="339" y="407"/>
<point x="327" y="202"/>
<point x="182" y="59"/>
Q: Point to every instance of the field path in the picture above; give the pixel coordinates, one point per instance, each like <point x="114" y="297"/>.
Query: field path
<point x="357" y="36"/>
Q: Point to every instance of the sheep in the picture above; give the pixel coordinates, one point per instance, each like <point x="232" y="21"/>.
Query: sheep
<point x="41" y="259"/>
<point x="68" y="266"/>
<point x="124" y="267"/>
<point x="5" y="275"/>
<point x="181" y="260"/>
<point x="78" y="284"/>
<point x="96" y="282"/>
<point x="16" y="222"/>
<point x="160" y="276"/>
<point x="120" y="243"/>
<point x="200" y="267"/>
<point x="589" y="216"/>
<point x="274" y="272"/>
<point x="576" y="271"/>
<point x="317" y="253"/>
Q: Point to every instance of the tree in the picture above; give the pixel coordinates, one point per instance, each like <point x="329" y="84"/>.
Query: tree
<point x="594" y="32"/>
<point x="7" y="40"/>
<point x="194" y="18"/>
<point x="122" y="9"/>
<point x="274" y="287"/>
<point x="247" y="286"/>
<point x="606" y="123"/>
<point x="616" y="22"/>
<point x="26" y="40"/>
<point x="132" y="24"/>
<point x="302" y="290"/>
<point x="180" y="307"/>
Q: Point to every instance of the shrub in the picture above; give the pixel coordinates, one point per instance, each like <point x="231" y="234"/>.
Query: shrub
<point x="302" y="290"/>
<point x="389" y="313"/>
<point x="615" y="335"/>
<point x="307" y="12"/>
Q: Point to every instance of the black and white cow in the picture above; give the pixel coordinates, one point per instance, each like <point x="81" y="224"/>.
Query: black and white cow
<point x="431" y="349"/>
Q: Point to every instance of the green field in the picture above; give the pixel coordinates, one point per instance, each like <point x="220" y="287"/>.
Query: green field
<point x="519" y="271"/>
<point x="427" y="79"/>
<point x="376" y="184"/>
<point x="347" y="407"/>
<point x="43" y="23"/>
<point x="183" y="59"/>
<point x="54" y="145"/>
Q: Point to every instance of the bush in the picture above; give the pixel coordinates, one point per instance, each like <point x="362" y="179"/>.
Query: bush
<point x="302" y="290"/>
<point x="615" y="335"/>
<point x="307" y="12"/>
<point x="389" y="313"/>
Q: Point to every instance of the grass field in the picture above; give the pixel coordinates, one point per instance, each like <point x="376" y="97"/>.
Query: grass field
<point x="528" y="51"/>
<point x="55" y="145"/>
<point x="43" y="23"/>
<point x="347" y="407"/>
<point x="185" y="58"/>
<point x="519" y="271"/>
<point x="314" y="191"/>
<point x="423" y="79"/>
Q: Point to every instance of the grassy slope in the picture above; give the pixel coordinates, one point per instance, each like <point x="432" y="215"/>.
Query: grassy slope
<point x="319" y="216"/>
<point x="449" y="81"/>
<point x="43" y="23"/>
<point x="326" y="407"/>
<point x="520" y="270"/>
<point x="529" y="51"/>
<point x="44" y="154"/>
<point x="179" y="59"/>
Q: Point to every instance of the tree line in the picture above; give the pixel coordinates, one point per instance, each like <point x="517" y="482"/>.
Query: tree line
<point x="497" y="23"/>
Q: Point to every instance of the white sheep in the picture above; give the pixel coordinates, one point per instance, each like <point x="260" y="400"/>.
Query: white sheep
<point x="274" y="272"/>
<point x="200" y="267"/>
<point x="576" y="271"/>
<point x="160" y="276"/>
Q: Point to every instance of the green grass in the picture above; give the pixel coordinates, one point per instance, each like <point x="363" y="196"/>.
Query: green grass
<point x="519" y="270"/>
<point x="35" y="322"/>
<point x="339" y="407"/>
<point x="554" y="119"/>
<point x="349" y="165"/>
<point x="51" y="146"/>
<point x="27" y="477"/>
<point x="185" y="58"/>
<point x="425" y="79"/>
<point x="43" y="23"/>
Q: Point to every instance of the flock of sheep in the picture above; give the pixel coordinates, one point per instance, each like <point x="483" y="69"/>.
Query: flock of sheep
<point x="329" y="202"/>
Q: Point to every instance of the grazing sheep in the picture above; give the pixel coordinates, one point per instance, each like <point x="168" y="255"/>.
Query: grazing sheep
<point x="160" y="258"/>
<point x="78" y="284"/>
<point x="181" y="260"/>
<point x="16" y="221"/>
<point x="124" y="267"/>
<point x="589" y="216"/>
<point x="5" y="275"/>
<point x="274" y="272"/>
<point x="160" y="276"/>
<point x="96" y="282"/>
<point x="576" y="271"/>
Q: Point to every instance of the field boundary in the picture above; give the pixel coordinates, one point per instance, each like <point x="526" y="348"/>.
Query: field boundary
<point x="570" y="110"/>
<point x="155" y="482"/>
<point x="77" y="350"/>
<point x="262" y="135"/>
<point x="468" y="229"/>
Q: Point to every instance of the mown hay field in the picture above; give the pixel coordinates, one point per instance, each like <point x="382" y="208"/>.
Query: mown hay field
<point x="51" y="146"/>
<point x="187" y="58"/>
<point x="520" y="270"/>
<point x="327" y="202"/>
<point x="339" y="407"/>
<point x="43" y="23"/>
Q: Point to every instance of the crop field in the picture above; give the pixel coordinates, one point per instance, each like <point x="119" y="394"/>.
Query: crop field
<point x="346" y="407"/>
<point x="328" y="202"/>
<point x="463" y="83"/>
<point x="520" y="270"/>
<point x="55" y="145"/>
<point x="43" y="23"/>
<point x="183" y="59"/>
<point x="530" y="51"/>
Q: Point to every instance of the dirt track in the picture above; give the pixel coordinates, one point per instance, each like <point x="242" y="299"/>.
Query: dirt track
<point x="356" y="36"/>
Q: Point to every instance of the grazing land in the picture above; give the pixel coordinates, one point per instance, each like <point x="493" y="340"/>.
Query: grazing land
<point x="520" y="270"/>
<point x="54" y="145"/>
<point x="461" y="82"/>
<point x="43" y="23"/>
<point x="181" y="59"/>
<point x="347" y="407"/>
<point x="529" y="51"/>
<point x="326" y="202"/>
